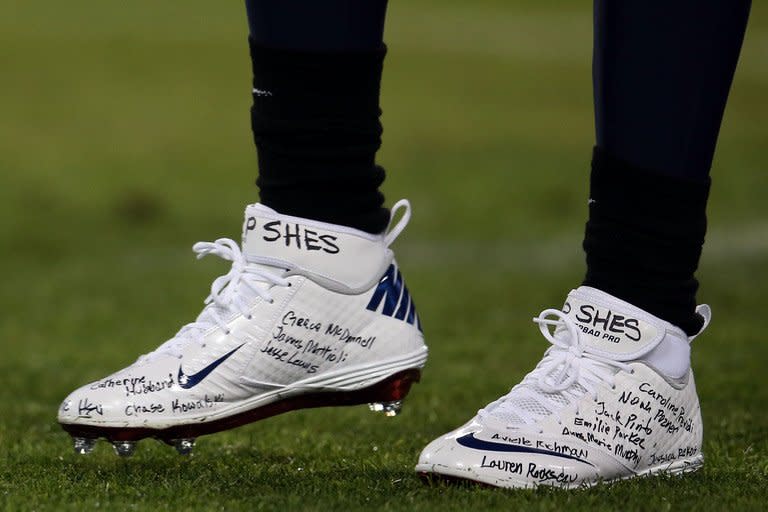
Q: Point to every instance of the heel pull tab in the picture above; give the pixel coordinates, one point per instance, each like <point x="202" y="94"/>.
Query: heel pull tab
<point x="392" y="234"/>
<point x="706" y="313"/>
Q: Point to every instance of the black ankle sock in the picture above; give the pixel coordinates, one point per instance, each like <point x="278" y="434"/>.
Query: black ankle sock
<point x="644" y="238"/>
<point x="315" y="120"/>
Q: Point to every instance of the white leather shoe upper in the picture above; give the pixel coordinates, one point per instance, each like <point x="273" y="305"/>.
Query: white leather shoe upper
<point x="305" y="307"/>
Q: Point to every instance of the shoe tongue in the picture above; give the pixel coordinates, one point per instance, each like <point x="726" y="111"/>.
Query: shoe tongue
<point x="608" y="327"/>
<point x="335" y="256"/>
<point x="611" y="327"/>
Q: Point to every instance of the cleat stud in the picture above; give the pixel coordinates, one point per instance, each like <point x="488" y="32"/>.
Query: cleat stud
<point x="84" y="445"/>
<point x="124" y="448"/>
<point x="392" y="408"/>
<point x="184" y="446"/>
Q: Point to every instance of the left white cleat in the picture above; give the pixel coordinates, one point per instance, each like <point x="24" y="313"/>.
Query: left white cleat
<point x="310" y="314"/>
<point x="613" y="398"/>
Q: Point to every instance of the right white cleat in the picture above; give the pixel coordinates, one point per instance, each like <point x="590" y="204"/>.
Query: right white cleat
<point x="613" y="398"/>
<point x="310" y="314"/>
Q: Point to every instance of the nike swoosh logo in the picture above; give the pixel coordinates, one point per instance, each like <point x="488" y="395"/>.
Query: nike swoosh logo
<point x="190" y="381"/>
<point x="470" y="441"/>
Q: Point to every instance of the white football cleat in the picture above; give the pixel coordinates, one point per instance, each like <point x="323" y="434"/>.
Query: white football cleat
<point x="310" y="315"/>
<point x="613" y="398"/>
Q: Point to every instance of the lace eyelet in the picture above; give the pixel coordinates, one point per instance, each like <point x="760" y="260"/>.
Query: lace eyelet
<point x="249" y="317"/>
<point x="632" y="372"/>
<point x="228" y="332"/>
<point x="290" y="284"/>
<point x="271" y="301"/>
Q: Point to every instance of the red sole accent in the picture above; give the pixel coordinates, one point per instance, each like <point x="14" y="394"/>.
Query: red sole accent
<point x="394" y="387"/>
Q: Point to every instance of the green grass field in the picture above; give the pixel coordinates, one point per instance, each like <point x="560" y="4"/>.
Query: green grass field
<point x="124" y="139"/>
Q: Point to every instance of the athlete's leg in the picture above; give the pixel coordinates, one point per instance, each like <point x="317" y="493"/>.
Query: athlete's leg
<point x="662" y="72"/>
<point x="313" y="312"/>
<point x="317" y="69"/>
<point x="614" y="396"/>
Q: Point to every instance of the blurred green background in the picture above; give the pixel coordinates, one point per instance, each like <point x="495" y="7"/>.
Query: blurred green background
<point x="124" y="138"/>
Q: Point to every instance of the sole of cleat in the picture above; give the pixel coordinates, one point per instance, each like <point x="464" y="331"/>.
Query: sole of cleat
<point x="385" y="396"/>
<point x="436" y="478"/>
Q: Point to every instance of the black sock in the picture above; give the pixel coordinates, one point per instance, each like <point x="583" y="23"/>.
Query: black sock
<point x="315" y="117"/>
<point x="644" y="238"/>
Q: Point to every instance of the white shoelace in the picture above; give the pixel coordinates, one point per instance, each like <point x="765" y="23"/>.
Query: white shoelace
<point x="229" y="294"/>
<point x="568" y="371"/>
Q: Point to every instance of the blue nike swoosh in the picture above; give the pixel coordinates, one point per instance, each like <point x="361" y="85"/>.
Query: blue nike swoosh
<point x="470" y="441"/>
<point x="190" y="381"/>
